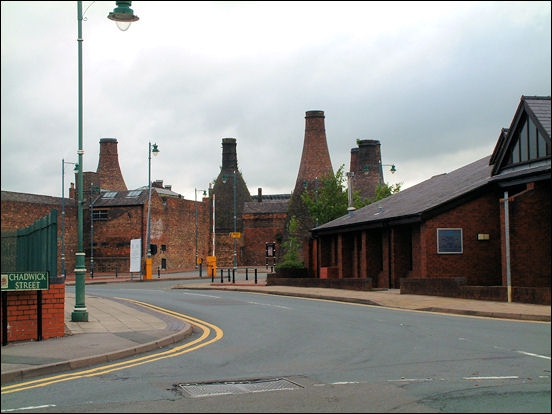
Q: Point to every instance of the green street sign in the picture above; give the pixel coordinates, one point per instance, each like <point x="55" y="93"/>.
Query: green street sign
<point x="25" y="281"/>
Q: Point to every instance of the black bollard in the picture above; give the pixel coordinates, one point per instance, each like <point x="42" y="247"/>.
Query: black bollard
<point x="212" y="275"/>
<point x="229" y="274"/>
<point x="255" y="276"/>
<point x="200" y="270"/>
<point x="246" y="274"/>
<point x="158" y="273"/>
<point x="233" y="275"/>
<point x="221" y="277"/>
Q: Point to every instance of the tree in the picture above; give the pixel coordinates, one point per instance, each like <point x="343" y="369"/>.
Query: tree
<point x="331" y="200"/>
<point x="291" y="256"/>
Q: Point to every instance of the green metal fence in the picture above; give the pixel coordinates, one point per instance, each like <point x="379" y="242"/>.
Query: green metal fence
<point x="33" y="248"/>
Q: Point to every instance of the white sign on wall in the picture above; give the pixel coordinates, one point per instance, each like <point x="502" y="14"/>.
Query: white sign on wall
<point x="135" y="255"/>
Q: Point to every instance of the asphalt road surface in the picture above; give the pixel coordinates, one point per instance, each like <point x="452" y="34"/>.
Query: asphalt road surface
<point x="262" y="353"/>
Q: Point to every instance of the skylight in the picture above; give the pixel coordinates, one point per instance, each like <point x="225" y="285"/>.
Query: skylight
<point x="134" y="193"/>
<point x="110" y="194"/>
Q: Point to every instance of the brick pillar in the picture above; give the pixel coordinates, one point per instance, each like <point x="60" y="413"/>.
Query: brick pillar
<point x="340" y="255"/>
<point x="363" y="261"/>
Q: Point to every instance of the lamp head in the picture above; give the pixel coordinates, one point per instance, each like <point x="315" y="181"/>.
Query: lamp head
<point x="155" y="150"/>
<point x="224" y="179"/>
<point x="76" y="169"/>
<point x="393" y="169"/>
<point x="123" y="15"/>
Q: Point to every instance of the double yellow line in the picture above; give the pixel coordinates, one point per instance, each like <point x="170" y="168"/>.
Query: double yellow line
<point x="179" y="350"/>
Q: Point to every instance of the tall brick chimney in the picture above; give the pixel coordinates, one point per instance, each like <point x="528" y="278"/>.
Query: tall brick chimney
<point x="315" y="159"/>
<point x="315" y="163"/>
<point x="365" y="163"/>
<point x="224" y="190"/>
<point x="108" y="170"/>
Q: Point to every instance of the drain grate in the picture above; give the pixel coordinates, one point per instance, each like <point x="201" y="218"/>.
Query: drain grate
<point x="208" y="389"/>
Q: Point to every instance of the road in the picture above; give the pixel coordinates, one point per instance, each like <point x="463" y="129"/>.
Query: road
<point x="306" y="355"/>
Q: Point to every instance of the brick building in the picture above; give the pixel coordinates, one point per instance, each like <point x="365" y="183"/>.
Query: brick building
<point x="264" y="219"/>
<point x="454" y="234"/>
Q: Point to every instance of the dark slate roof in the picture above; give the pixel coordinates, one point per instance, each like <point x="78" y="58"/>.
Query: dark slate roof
<point x="266" y="206"/>
<point x="272" y="197"/>
<point x="420" y="198"/>
<point x="540" y="106"/>
<point x="537" y="108"/>
<point x="33" y="198"/>
<point x="121" y="199"/>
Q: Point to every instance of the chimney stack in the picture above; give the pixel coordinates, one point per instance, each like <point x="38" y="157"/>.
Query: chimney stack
<point x="260" y="195"/>
<point x="224" y="190"/>
<point x="315" y="163"/>
<point x="315" y="159"/>
<point x="366" y="164"/>
<point x="109" y="172"/>
<point x="229" y="155"/>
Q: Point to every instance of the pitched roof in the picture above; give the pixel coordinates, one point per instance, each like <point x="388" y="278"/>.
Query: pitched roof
<point x="34" y="198"/>
<point x="537" y="109"/>
<point x="266" y="206"/>
<point x="540" y="106"/>
<point x="418" y="199"/>
<point x="121" y="198"/>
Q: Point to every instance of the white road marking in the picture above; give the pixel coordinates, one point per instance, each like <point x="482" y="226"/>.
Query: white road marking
<point x="535" y="355"/>
<point x="267" y="304"/>
<point x="199" y="294"/>
<point x="28" y="408"/>
<point x="491" y="378"/>
<point x="411" y="379"/>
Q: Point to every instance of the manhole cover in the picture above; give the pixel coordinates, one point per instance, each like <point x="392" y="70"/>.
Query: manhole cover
<point x="207" y="389"/>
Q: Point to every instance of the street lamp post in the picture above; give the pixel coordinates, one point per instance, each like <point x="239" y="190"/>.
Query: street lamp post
<point x="196" y="251"/>
<point x="121" y="14"/>
<point x="148" y="259"/>
<point x="224" y="179"/>
<point x="76" y="169"/>
<point x="350" y="208"/>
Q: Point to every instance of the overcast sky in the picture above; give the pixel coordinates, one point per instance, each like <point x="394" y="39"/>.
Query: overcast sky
<point x="433" y="82"/>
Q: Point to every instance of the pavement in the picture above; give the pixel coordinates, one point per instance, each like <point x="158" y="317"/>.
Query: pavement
<point x="118" y="329"/>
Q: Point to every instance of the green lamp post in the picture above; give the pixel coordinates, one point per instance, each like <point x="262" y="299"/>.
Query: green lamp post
<point x="123" y="16"/>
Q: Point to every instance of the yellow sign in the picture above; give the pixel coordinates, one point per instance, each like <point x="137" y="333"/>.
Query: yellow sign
<point x="235" y="235"/>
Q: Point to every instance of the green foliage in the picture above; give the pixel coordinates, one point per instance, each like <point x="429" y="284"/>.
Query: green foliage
<point x="384" y="191"/>
<point x="331" y="200"/>
<point x="291" y="256"/>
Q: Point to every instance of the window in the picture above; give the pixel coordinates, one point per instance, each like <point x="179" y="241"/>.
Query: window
<point x="99" y="215"/>
<point x="449" y="241"/>
<point x="110" y="194"/>
<point x="164" y="264"/>
<point x="523" y="145"/>
<point x="528" y="144"/>
<point x="163" y="247"/>
<point x="134" y="194"/>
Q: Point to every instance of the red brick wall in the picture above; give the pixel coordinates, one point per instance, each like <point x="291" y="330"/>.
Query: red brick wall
<point x="480" y="261"/>
<point x="112" y="238"/>
<point x="259" y="229"/>
<point x="172" y="224"/>
<point x="529" y="216"/>
<point x="17" y="215"/>
<point x="22" y="314"/>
